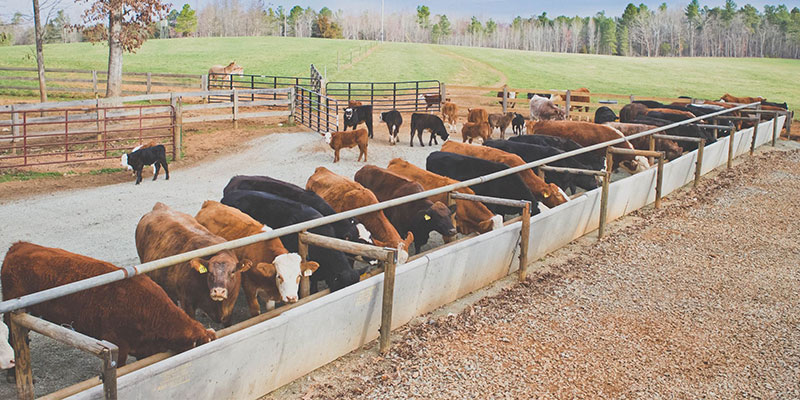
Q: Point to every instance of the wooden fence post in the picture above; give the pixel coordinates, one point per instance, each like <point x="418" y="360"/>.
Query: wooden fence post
<point x="443" y="92"/>
<point x="524" y="241"/>
<point x="14" y="128"/>
<point x="776" y="130"/>
<point x="94" y="82"/>
<point x="652" y="147"/>
<point x="22" y="359"/>
<point x="505" y="99"/>
<point x="177" y="105"/>
<point x="305" y="281"/>
<point x="567" y="101"/>
<point x="149" y="82"/>
<point x="731" y="136"/>
<point x="659" y="180"/>
<point x="389" y="267"/>
<point x="604" y="195"/>
<point x="204" y="87"/>
<point x="235" y="109"/>
<point x="698" y="169"/>
<point x="292" y="104"/>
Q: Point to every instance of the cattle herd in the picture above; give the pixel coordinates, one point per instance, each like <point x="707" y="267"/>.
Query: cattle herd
<point x="156" y="312"/>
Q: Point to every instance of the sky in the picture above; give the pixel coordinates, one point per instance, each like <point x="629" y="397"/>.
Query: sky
<point x="502" y="11"/>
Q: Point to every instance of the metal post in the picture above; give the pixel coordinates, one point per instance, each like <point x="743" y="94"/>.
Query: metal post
<point x="731" y="136"/>
<point x="505" y="98"/>
<point x="524" y="241"/>
<point x="305" y="281"/>
<point x="416" y="97"/>
<point x="252" y="86"/>
<point x="372" y="94"/>
<point x="604" y="195"/>
<point x="388" y="302"/>
<point x="659" y="180"/>
<point x="698" y="169"/>
<point x="22" y="359"/>
<point x="394" y="95"/>
<point x="149" y="82"/>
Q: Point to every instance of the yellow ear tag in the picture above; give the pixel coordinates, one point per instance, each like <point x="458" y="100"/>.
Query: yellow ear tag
<point x="427" y="217"/>
<point x="545" y="195"/>
<point x="202" y="269"/>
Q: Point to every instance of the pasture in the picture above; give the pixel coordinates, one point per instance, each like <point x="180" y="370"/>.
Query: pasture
<point x="665" y="77"/>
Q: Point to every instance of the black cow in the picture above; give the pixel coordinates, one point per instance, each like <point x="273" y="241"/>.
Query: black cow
<point x="150" y="155"/>
<point x="533" y="152"/>
<point x="421" y="122"/>
<point x="690" y="130"/>
<point x="651" y="103"/>
<point x="666" y="116"/>
<point x="347" y="229"/>
<point x="590" y="159"/>
<point x="356" y="115"/>
<point x="703" y="109"/>
<point x="393" y="120"/>
<point x="779" y="105"/>
<point x="278" y="212"/>
<point x="604" y="114"/>
<point x="462" y="168"/>
<point x="517" y="124"/>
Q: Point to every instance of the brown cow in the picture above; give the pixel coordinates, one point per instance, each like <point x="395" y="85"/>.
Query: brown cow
<point x="210" y="284"/>
<point x="275" y="272"/>
<point x="472" y="130"/>
<point x="419" y="217"/>
<point x="741" y="100"/>
<point x="348" y="139"/>
<point x="450" y="114"/>
<point x="344" y="194"/>
<point x="548" y="193"/>
<point x="587" y="134"/>
<point x="230" y="69"/>
<point x="629" y="113"/>
<point x="430" y="100"/>
<point x="575" y="97"/>
<point x="501" y="121"/>
<point x="135" y="314"/>
<point x="670" y="148"/>
<point x="471" y="216"/>
<point x="477" y="115"/>
<point x="354" y="103"/>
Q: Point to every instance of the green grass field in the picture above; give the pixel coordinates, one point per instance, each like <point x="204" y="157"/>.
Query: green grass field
<point x="775" y="79"/>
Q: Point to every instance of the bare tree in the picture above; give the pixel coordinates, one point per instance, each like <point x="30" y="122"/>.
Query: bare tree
<point x="39" y="39"/>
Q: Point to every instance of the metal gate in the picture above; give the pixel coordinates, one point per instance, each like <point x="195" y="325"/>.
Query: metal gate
<point x="228" y="82"/>
<point x="402" y="96"/>
<point x="80" y="134"/>
<point x="318" y="112"/>
<point x="316" y="79"/>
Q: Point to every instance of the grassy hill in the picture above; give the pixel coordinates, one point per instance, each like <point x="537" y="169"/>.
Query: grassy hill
<point x="775" y="79"/>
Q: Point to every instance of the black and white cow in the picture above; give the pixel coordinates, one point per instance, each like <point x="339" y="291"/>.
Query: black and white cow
<point x="150" y="155"/>
<point x="356" y="115"/>
<point x="278" y="212"/>
<point x="348" y="229"/>
<point x="124" y="159"/>
<point x="533" y="152"/>
<point x="393" y="120"/>
<point x="461" y="168"/>
<point x="421" y="122"/>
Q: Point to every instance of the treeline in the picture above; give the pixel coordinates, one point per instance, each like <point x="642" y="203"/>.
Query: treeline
<point x="694" y="30"/>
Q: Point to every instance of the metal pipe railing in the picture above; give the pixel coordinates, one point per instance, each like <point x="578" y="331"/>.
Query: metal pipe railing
<point x="131" y="271"/>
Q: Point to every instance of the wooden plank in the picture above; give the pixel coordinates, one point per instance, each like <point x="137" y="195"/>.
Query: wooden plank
<point x="359" y="249"/>
<point x="61" y="334"/>
<point x="22" y="358"/>
<point x="264" y="114"/>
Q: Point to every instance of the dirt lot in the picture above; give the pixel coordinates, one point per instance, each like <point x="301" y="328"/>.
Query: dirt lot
<point x="696" y="300"/>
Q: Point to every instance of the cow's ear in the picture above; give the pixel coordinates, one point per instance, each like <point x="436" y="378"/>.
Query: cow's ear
<point x="243" y="265"/>
<point x="309" y="268"/>
<point x="267" y="270"/>
<point x="200" y="265"/>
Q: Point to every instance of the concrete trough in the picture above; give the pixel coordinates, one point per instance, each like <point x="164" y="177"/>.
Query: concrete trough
<point x="256" y="360"/>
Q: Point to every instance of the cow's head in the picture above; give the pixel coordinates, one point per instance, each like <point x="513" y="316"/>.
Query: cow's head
<point x="383" y="116"/>
<point x="328" y="137"/>
<point x="287" y="270"/>
<point x="223" y="273"/>
<point x="363" y="234"/>
<point x="234" y="69"/>
<point x="530" y="127"/>
<point x="557" y="113"/>
<point x="6" y="352"/>
<point x="194" y="335"/>
<point x="402" y="247"/>
<point x="348" y="113"/>
<point x="441" y="131"/>
<point x="552" y="195"/>
<point x="638" y="164"/>
<point x="437" y="218"/>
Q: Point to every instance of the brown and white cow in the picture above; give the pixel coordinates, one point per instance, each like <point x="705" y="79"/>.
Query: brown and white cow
<point x="275" y="273"/>
<point x="544" y="109"/>
<point x="135" y="314"/>
<point x="419" y="217"/>
<point x="450" y="114"/>
<point x="477" y="115"/>
<point x="670" y="148"/>
<point x="587" y="134"/>
<point x="6" y="352"/>
<point x="344" y="194"/>
<point x="348" y="139"/>
<point x="211" y="284"/>
<point x="548" y="193"/>
<point x="471" y="216"/>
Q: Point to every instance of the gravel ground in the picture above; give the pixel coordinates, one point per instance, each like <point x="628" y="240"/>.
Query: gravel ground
<point x="699" y="299"/>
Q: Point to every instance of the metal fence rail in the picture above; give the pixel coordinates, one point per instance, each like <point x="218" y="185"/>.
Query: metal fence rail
<point x="316" y="111"/>
<point x="230" y="82"/>
<point x="403" y="96"/>
<point x="131" y="271"/>
<point x="82" y="134"/>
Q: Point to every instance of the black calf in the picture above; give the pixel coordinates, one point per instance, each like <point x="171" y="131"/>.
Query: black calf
<point x="151" y="155"/>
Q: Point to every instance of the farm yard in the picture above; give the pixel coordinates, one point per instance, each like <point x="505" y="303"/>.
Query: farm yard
<point x="97" y="218"/>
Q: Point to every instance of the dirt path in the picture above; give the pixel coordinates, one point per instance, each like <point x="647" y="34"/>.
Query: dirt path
<point x="463" y="77"/>
<point x="698" y="299"/>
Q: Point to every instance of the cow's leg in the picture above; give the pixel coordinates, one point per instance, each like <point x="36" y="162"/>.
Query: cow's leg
<point x="336" y="155"/>
<point x="419" y="136"/>
<point x="166" y="170"/>
<point x="139" y="175"/>
<point x="158" y="168"/>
